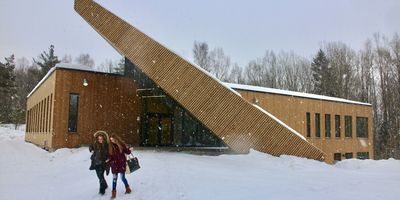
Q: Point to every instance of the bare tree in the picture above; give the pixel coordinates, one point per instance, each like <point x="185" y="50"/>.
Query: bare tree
<point x="85" y="59"/>
<point x="66" y="58"/>
<point x="342" y="61"/>
<point x="295" y="73"/>
<point x="236" y="74"/>
<point x="263" y="71"/>
<point x="107" y="66"/>
<point x="22" y="63"/>
<point x="201" y="55"/>
<point x="220" y="64"/>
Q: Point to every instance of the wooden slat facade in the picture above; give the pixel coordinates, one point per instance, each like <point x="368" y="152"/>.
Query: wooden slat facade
<point x="109" y="102"/>
<point x="232" y="118"/>
<point x="292" y="111"/>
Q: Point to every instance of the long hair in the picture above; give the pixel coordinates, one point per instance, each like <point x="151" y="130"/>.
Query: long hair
<point x="96" y="143"/>
<point x="119" y="142"/>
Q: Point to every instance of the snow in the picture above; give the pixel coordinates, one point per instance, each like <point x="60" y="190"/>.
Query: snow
<point x="62" y="66"/>
<point x="28" y="172"/>
<point x="292" y="93"/>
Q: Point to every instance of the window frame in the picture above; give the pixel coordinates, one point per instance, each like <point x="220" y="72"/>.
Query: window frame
<point x="337" y="155"/>
<point x="337" y="126"/>
<point x="69" y="113"/>
<point x="346" y="155"/>
<point x="308" y="124"/>
<point x="327" y="128"/>
<point x="363" y="155"/>
<point x="365" y="135"/>
<point x="317" y="125"/>
<point x="348" y="125"/>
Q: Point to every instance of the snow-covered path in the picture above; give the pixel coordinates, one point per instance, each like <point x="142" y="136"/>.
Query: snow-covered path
<point x="27" y="172"/>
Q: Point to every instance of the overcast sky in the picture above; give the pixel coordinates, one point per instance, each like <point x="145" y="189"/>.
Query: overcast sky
<point x="244" y="29"/>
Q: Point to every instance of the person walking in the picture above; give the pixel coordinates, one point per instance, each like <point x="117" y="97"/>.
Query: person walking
<point x="117" y="160"/>
<point x="100" y="148"/>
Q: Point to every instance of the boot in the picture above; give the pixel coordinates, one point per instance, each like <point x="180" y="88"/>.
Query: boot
<point x="113" y="194"/>
<point x="102" y="191"/>
<point x="128" y="190"/>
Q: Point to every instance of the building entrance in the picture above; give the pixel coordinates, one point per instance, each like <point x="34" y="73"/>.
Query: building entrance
<point x="158" y="130"/>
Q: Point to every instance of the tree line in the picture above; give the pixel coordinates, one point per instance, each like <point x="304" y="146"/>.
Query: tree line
<point x="371" y="74"/>
<point x="18" y="77"/>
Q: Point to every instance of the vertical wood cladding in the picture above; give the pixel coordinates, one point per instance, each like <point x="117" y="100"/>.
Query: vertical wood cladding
<point x="36" y="132"/>
<point x="293" y="111"/>
<point x="235" y="120"/>
<point x="108" y="103"/>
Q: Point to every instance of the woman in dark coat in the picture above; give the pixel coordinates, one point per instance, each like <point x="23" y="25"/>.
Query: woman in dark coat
<point x="99" y="148"/>
<point x="117" y="160"/>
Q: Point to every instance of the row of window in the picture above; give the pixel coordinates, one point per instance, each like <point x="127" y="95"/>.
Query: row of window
<point x="361" y="122"/>
<point x="39" y="116"/>
<point x="360" y="155"/>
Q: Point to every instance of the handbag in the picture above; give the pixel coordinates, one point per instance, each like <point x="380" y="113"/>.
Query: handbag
<point x="132" y="164"/>
<point x="92" y="167"/>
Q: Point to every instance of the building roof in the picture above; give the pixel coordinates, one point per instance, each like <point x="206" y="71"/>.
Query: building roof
<point x="292" y="93"/>
<point x="62" y="66"/>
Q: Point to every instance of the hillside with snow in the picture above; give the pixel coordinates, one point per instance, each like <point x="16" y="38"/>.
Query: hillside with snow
<point x="28" y="172"/>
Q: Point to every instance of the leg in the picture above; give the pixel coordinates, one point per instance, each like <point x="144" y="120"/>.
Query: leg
<point x="114" y="184"/>
<point x="124" y="180"/>
<point x="102" y="181"/>
<point x="128" y="189"/>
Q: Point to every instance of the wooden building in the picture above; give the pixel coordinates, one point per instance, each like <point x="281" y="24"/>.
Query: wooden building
<point x="165" y="100"/>
<point x="341" y="128"/>
<point x="72" y="102"/>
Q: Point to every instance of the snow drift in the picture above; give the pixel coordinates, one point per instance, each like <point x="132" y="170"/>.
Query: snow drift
<point x="28" y="172"/>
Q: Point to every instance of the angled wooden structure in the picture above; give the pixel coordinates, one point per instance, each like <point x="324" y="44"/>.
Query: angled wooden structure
<point x="236" y="121"/>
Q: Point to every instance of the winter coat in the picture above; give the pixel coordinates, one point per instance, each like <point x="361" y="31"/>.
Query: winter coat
<point x="118" y="159"/>
<point x="99" y="157"/>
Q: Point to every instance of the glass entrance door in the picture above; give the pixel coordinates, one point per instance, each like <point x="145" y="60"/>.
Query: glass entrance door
<point x="166" y="127"/>
<point x="158" y="130"/>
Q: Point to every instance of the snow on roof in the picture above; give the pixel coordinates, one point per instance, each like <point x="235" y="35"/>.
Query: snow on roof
<point x="75" y="66"/>
<point x="62" y="66"/>
<point x="291" y="93"/>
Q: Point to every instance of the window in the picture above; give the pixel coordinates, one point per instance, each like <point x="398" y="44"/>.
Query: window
<point x="47" y="114"/>
<point x="348" y="126"/>
<point x="327" y="125"/>
<point x="73" y="112"/>
<point x="50" y="113"/>
<point x="348" y="155"/>
<point x="337" y="126"/>
<point x="28" y="123"/>
<point x="362" y="127"/>
<point x="40" y="116"/>
<point x="317" y="125"/>
<point x="337" y="156"/>
<point x="362" y="155"/>
<point x="308" y="124"/>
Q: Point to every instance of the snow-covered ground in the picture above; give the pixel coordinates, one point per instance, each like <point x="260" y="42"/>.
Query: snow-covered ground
<point x="28" y="172"/>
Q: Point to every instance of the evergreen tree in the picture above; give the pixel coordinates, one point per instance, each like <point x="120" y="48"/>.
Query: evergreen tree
<point x="323" y="75"/>
<point x="7" y="89"/>
<point x="47" y="60"/>
<point x="120" y="68"/>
